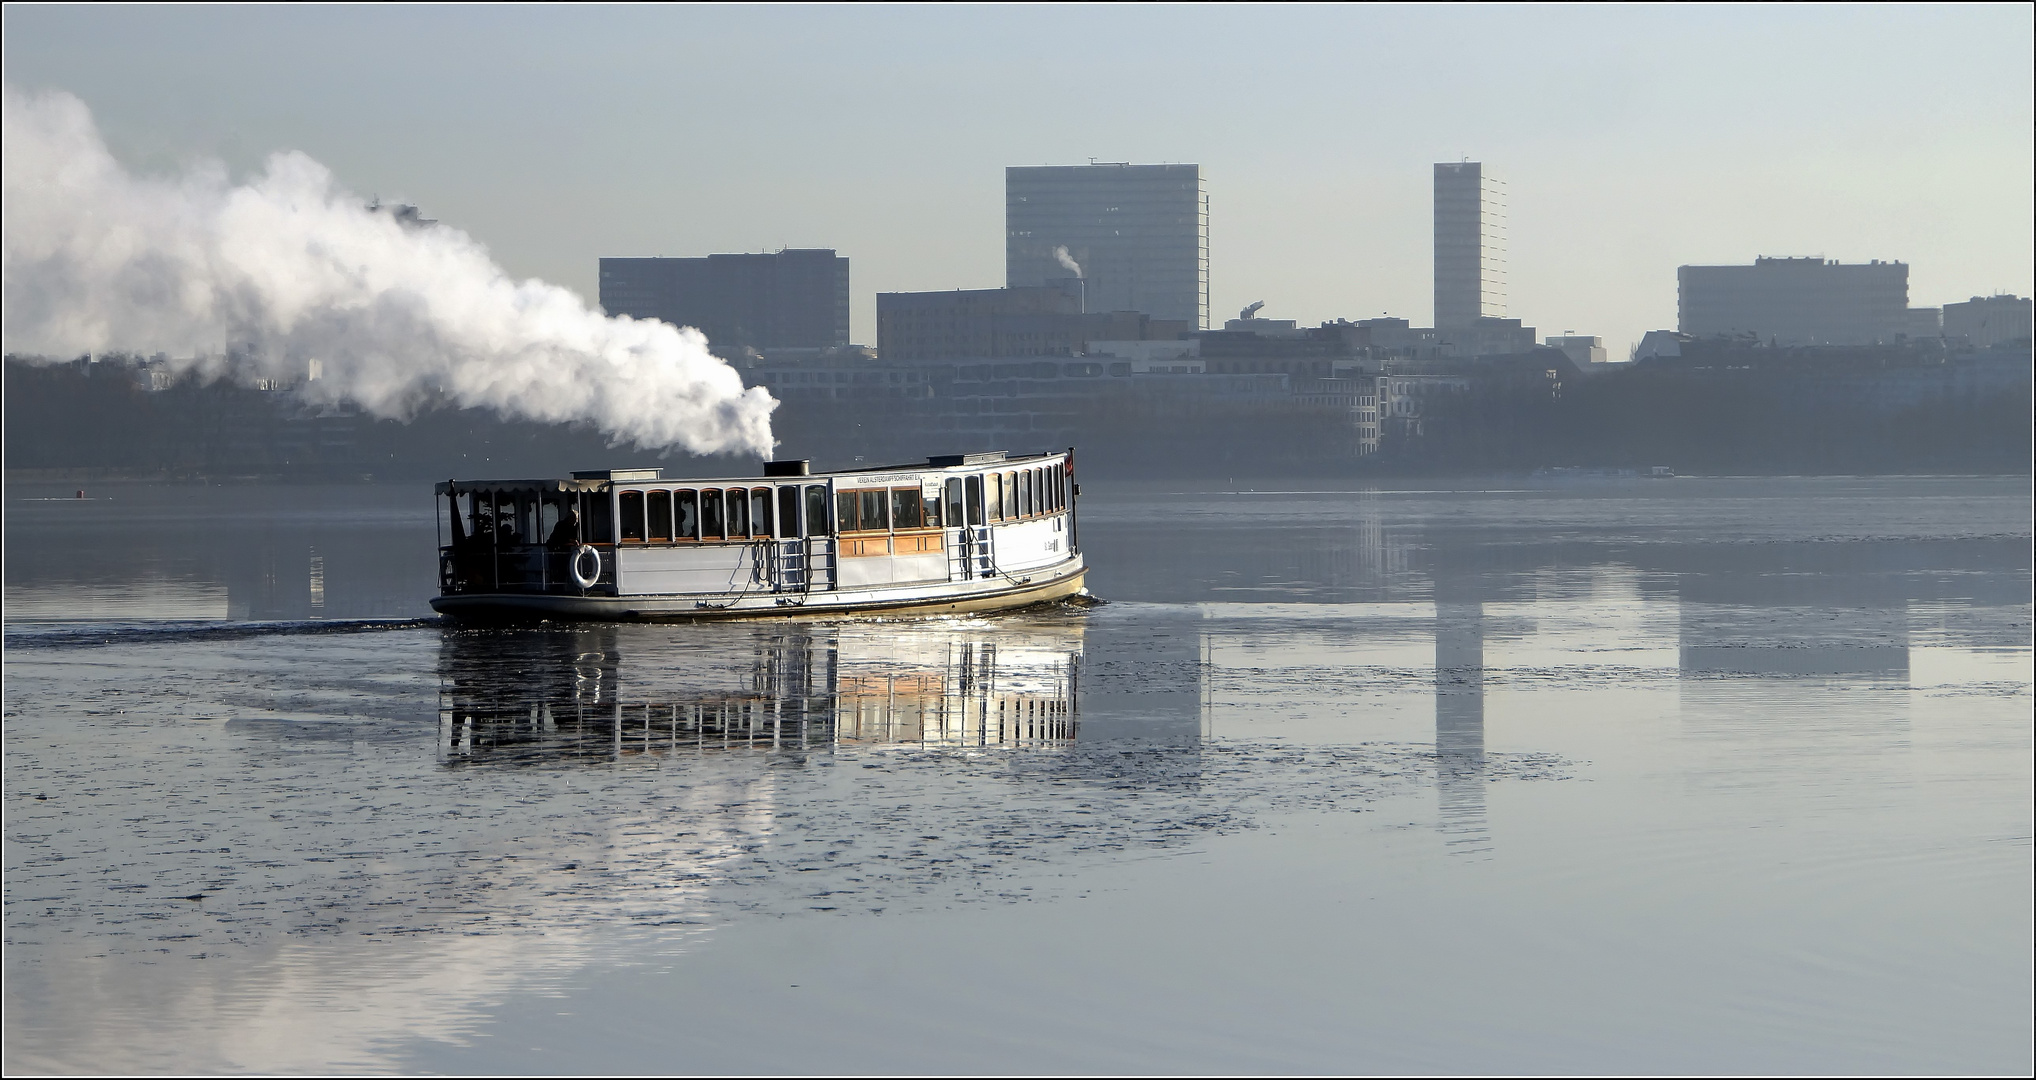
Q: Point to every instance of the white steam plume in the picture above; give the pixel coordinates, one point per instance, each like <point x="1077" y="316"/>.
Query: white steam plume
<point x="256" y="280"/>
<point x="1066" y="260"/>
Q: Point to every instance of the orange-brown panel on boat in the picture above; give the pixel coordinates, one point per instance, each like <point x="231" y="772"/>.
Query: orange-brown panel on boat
<point x="914" y="543"/>
<point x="856" y="548"/>
<point x="890" y="686"/>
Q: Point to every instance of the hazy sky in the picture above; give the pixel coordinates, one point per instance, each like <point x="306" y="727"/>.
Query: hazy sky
<point x="1633" y="139"/>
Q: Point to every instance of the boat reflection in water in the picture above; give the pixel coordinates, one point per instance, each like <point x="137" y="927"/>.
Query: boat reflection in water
<point x="607" y="691"/>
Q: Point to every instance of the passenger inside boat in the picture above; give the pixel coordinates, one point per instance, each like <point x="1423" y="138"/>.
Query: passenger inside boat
<point x="566" y="535"/>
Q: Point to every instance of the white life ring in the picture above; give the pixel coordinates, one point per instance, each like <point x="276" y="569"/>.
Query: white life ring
<point x="587" y="580"/>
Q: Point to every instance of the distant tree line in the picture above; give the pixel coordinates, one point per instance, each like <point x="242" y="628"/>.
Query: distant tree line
<point x="1747" y="419"/>
<point x="1772" y="414"/>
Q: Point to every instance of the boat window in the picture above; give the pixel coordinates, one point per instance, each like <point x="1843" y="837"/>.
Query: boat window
<point x="907" y="508"/>
<point x="686" y="508"/>
<point x="954" y="516"/>
<point x="658" y="508"/>
<point x="738" y="513"/>
<point x="551" y="511"/>
<point x="632" y="516"/>
<point x="710" y="514"/>
<point x="993" y="496"/>
<point x="932" y="507"/>
<point x="502" y="511"/>
<point x="600" y="524"/>
<point x="816" y="511"/>
<point x="760" y="511"/>
<point x="788" y="511"/>
<point x="1025" y="493"/>
<point x="844" y="510"/>
<point x="872" y="509"/>
<point x="465" y="505"/>
<point x="975" y="499"/>
<point x="1010" y="494"/>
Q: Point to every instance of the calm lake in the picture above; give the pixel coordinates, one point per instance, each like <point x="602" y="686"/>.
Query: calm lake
<point x="1588" y="775"/>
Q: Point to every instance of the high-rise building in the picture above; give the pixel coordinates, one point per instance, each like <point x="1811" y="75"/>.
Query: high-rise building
<point x="1137" y="235"/>
<point x="791" y="299"/>
<point x="1470" y="245"/>
<point x="1796" y="301"/>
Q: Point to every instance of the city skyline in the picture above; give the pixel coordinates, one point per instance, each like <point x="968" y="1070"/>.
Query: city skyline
<point x="544" y="134"/>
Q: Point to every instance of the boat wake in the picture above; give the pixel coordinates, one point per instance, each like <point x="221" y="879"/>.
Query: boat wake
<point x="63" y="636"/>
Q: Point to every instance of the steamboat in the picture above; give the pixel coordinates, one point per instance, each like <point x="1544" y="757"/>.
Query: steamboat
<point x="965" y="532"/>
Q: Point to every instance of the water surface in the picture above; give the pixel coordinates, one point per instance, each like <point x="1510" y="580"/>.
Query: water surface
<point x="1609" y="775"/>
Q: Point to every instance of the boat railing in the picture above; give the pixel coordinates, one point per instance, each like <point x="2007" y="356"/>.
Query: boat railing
<point x="797" y="564"/>
<point x="519" y="568"/>
<point x="974" y="553"/>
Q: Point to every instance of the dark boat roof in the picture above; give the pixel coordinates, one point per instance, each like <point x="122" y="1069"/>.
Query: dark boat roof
<point x="599" y="479"/>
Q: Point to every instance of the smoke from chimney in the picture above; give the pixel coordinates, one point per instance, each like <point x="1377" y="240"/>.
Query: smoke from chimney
<point x="1066" y="260"/>
<point x="254" y="279"/>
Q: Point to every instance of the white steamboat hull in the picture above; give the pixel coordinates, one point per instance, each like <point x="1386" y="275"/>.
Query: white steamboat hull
<point x="969" y="532"/>
<point x="1004" y="591"/>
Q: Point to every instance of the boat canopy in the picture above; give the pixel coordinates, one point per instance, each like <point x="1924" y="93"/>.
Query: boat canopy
<point x="577" y="484"/>
<point x="602" y="479"/>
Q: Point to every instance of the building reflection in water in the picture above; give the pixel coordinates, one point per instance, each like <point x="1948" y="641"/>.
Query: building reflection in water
<point x="1460" y="709"/>
<point x="1794" y="646"/>
<point x="604" y="692"/>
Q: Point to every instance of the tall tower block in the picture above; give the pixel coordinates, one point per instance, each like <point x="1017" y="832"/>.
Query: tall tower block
<point x="1470" y="244"/>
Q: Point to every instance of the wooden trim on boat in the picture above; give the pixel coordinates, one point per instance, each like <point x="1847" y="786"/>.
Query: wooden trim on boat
<point x="852" y="546"/>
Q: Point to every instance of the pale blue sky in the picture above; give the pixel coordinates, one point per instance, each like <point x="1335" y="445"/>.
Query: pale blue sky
<point x="1633" y="139"/>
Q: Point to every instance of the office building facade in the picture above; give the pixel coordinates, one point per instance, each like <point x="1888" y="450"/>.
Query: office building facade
<point x="1786" y="302"/>
<point x="1582" y="349"/>
<point x="791" y="299"/>
<point x="965" y="324"/>
<point x="1986" y="321"/>
<point x="1136" y="235"/>
<point x="1470" y="245"/>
